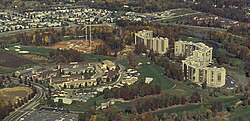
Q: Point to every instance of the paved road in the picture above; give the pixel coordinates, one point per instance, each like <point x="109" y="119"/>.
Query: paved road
<point x="121" y="77"/>
<point x="99" y="72"/>
<point x="172" y="17"/>
<point x="21" y="111"/>
<point x="196" y="27"/>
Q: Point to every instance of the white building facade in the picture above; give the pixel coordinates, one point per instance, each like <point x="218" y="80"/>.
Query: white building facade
<point x="157" y="44"/>
<point x="196" y="66"/>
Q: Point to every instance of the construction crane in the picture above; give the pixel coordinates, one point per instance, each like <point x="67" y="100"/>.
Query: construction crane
<point x="89" y="26"/>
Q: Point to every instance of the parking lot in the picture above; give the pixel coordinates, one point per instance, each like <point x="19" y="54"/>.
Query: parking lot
<point x="45" y="115"/>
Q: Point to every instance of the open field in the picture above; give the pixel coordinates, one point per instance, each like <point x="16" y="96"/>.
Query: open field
<point x="79" y="45"/>
<point x="36" y="58"/>
<point x="88" y="57"/>
<point x="32" y="49"/>
<point x="44" y="51"/>
<point x="189" y="38"/>
<point x="240" y="113"/>
<point x="156" y="72"/>
<point x="37" y="50"/>
<point x="14" y="93"/>
<point x="150" y="70"/>
<point x="85" y="106"/>
<point x="10" y="60"/>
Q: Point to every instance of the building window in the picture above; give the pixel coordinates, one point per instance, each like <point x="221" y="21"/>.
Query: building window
<point x="162" y="45"/>
<point x="219" y="76"/>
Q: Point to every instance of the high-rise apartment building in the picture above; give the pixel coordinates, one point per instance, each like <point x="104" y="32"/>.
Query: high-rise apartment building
<point x="196" y="66"/>
<point x="157" y="44"/>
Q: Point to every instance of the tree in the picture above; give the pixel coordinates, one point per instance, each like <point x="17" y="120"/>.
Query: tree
<point x="157" y="89"/>
<point x="80" y="86"/>
<point x="125" y="93"/>
<point x="29" y="84"/>
<point x="25" y="81"/>
<point x="20" y="81"/>
<point x="117" y="92"/>
<point x="63" y="31"/>
<point x="166" y="102"/>
<point x="132" y="60"/>
<point x="216" y="107"/>
<point x="204" y="85"/>
<point x="82" y="117"/>
<point x="49" y="91"/>
<point x="183" y="100"/>
<point x="221" y="58"/>
<point x="140" y="48"/>
<point x="138" y="108"/>
<point x="60" y="103"/>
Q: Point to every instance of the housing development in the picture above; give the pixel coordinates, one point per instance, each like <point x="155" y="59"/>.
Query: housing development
<point x="124" y="60"/>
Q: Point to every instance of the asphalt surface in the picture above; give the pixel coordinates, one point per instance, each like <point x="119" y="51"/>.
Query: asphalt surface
<point x="121" y="77"/>
<point x="29" y="106"/>
<point x="45" y="115"/>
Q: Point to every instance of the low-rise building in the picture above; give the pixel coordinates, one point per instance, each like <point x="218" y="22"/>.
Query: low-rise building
<point x="107" y="65"/>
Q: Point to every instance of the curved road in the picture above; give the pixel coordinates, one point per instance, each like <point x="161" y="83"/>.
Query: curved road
<point x="121" y="77"/>
<point x="29" y="106"/>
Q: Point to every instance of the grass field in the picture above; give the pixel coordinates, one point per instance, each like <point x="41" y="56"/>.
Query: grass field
<point x="45" y="52"/>
<point x="37" y="50"/>
<point x="153" y="71"/>
<point x="88" y="57"/>
<point x="157" y="72"/>
<point x="240" y="113"/>
<point x="32" y="49"/>
<point x="10" y="61"/>
<point x="180" y="109"/>
<point x="85" y="106"/>
<point x="189" y="38"/>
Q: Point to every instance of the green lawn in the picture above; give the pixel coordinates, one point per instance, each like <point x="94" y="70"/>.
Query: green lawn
<point x="6" y="70"/>
<point x="123" y="61"/>
<point x="11" y="61"/>
<point x="190" y="107"/>
<point x="190" y="38"/>
<point x="45" y="52"/>
<point x="85" y="106"/>
<point x="240" y="113"/>
<point x="240" y="66"/>
<point x="32" y="49"/>
<point x="94" y="58"/>
<point x="38" y="50"/>
<point x="179" y="110"/>
<point x="153" y="71"/>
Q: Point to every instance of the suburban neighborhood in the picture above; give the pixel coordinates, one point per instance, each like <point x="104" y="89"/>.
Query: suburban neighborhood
<point x="124" y="60"/>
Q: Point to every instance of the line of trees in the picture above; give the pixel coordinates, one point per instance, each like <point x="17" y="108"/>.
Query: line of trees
<point x="9" y="106"/>
<point x="203" y="114"/>
<point x="66" y="55"/>
<point x="151" y="104"/>
<point x="40" y="37"/>
<point x="140" y="89"/>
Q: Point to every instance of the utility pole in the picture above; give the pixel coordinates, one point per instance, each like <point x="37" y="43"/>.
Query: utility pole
<point x="90" y="37"/>
<point x="86" y="33"/>
<point x="90" y="31"/>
